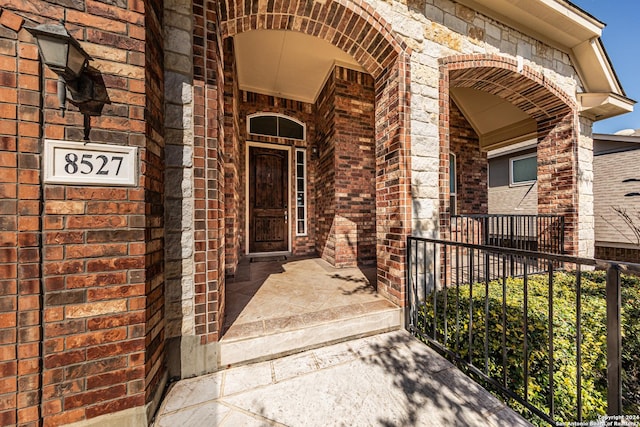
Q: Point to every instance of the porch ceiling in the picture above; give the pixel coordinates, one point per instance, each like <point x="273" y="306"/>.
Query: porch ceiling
<point x="286" y="63"/>
<point x="496" y="121"/>
<point x="502" y="106"/>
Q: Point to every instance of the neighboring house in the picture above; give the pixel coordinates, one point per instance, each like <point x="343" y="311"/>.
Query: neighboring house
<point x="512" y="189"/>
<point x="616" y="184"/>
<point x="224" y="129"/>
<point x="513" y="183"/>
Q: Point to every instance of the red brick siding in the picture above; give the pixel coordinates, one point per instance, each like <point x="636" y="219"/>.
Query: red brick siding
<point x="153" y="167"/>
<point x="325" y="194"/>
<point x="618" y="254"/>
<point x="471" y="165"/>
<point x="393" y="163"/>
<point x="102" y="262"/>
<point x="354" y="222"/>
<point x="234" y="229"/>
<point x="20" y="206"/>
<point x="208" y="170"/>
<point x="557" y="174"/>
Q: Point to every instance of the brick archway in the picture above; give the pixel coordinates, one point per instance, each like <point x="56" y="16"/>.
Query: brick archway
<point x="357" y="30"/>
<point x="360" y="31"/>
<point x="552" y="109"/>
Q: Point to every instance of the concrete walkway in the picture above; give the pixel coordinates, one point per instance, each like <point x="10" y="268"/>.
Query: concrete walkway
<point x="383" y="380"/>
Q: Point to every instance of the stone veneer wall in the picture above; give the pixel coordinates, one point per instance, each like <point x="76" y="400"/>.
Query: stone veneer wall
<point x="436" y="29"/>
<point x="584" y="171"/>
<point x="81" y="266"/>
<point x="179" y="177"/>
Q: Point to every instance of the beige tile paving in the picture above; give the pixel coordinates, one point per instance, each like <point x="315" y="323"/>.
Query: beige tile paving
<point x="389" y="379"/>
<point x="295" y="293"/>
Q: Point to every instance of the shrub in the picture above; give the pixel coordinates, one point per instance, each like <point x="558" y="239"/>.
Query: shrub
<point x="481" y="298"/>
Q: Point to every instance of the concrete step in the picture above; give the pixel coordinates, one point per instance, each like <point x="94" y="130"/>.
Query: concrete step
<point x="258" y="343"/>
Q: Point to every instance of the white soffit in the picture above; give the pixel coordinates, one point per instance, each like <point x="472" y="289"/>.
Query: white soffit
<point x="556" y="22"/>
<point x="486" y="112"/>
<point x="288" y="64"/>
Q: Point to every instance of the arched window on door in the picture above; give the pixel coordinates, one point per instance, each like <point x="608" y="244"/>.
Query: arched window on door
<point x="272" y="124"/>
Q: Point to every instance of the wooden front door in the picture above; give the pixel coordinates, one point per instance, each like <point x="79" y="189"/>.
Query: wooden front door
<point x="268" y="200"/>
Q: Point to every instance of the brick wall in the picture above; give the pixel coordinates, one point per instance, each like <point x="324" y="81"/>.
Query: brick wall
<point x="557" y="174"/>
<point x="97" y="250"/>
<point x="618" y="254"/>
<point x="20" y="226"/>
<point x="394" y="204"/>
<point x="325" y="193"/>
<point x="471" y="165"/>
<point x="354" y="222"/>
<point x="208" y="173"/>
<point x="233" y="209"/>
<point x="152" y="166"/>
<point x="346" y="169"/>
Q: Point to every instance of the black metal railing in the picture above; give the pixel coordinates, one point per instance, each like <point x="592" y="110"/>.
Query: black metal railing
<point x="539" y="339"/>
<point x="541" y="233"/>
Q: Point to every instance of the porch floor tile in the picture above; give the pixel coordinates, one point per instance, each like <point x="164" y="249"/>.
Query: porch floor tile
<point x="389" y="379"/>
<point x="277" y="307"/>
<point x="281" y="295"/>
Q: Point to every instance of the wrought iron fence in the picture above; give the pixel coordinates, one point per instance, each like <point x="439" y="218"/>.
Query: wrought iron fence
<point x="541" y="233"/>
<point x="525" y="336"/>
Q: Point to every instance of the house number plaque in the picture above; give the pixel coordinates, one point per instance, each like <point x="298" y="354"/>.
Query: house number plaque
<point x="69" y="162"/>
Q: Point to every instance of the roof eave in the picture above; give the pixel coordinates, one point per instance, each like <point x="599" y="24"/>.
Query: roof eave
<point x="557" y="22"/>
<point x="602" y="105"/>
<point x="565" y="26"/>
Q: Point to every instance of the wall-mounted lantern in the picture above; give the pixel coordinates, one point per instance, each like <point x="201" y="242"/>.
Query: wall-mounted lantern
<point x="64" y="56"/>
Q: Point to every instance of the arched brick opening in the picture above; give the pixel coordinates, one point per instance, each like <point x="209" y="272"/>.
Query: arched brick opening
<point x="553" y="111"/>
<point x="357" y="30"/>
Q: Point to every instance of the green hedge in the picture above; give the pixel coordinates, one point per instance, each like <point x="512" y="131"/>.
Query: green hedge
<point x="594" y="384"/>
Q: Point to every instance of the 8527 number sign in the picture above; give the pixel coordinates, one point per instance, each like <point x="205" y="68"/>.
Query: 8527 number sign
<point x="68" y="162"/>
<point x="87" y="167"/>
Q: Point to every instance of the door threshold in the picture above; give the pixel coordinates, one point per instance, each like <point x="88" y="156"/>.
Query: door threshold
<point x="268" y="256"/>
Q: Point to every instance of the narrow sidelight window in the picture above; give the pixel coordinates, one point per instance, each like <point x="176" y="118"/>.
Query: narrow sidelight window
<point x="452" y="184"/>
<point x="301" y="193"/>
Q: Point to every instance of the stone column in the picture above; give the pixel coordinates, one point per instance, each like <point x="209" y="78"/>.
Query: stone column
<point x="179" y="198"/>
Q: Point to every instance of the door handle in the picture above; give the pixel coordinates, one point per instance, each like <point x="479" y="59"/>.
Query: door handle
<point x="286" y="216"/>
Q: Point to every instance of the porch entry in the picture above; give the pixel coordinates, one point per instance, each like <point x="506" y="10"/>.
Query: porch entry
<point x="268" y="200"/>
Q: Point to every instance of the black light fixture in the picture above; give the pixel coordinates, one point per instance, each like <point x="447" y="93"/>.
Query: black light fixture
<point x="64" y="56"/>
